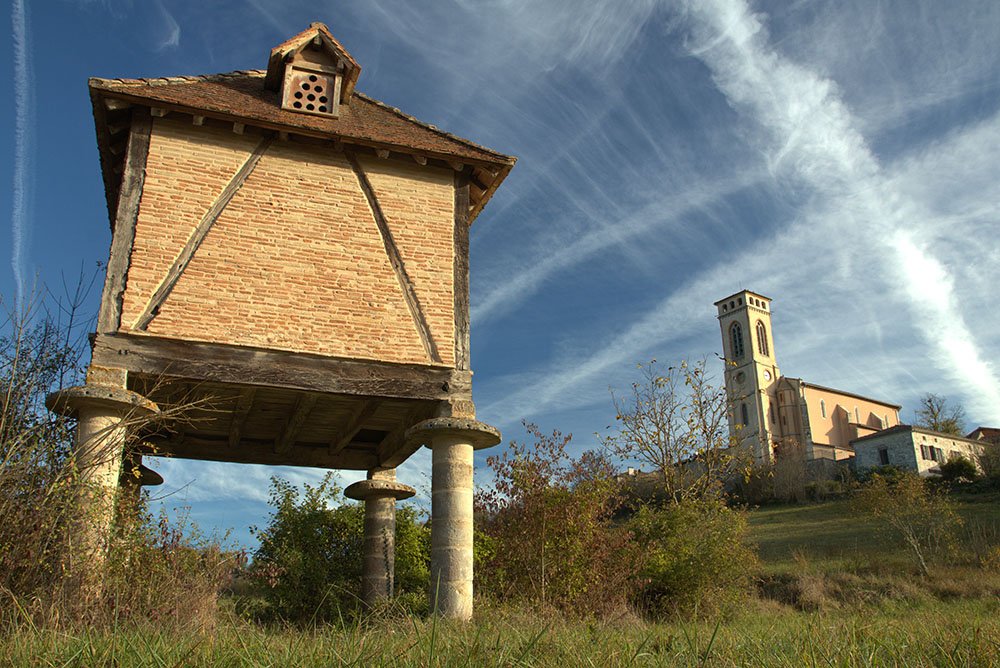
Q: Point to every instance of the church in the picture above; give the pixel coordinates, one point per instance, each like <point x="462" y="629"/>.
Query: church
<point x="776" y="414"/>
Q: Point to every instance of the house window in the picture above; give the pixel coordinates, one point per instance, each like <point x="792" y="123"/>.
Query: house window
<point x="925" y="453"/>
<point x="822" y="408"/>
<point x="883" y="456"/>
<point x="736" y="340"/>
<point x="744" y="414"/>
<point x="761" y="338"/>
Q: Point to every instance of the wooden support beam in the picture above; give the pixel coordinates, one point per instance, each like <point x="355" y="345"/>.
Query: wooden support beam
<point x="362" y="412"/>
<point x="457" y="166"/>
<point x="238" y="128"/>
<point x="420" y="159"/>
<point x="258" y="452"/>
<point x="396" y="260"/>
<point x="303" y="406"/>
<point x="243" y="405"/>
<point x="394" y="449"/>
<point x="479" y="184"/>
<point x="283" y="136"/>
<point x="382" y="153"/>
<point x="461" y="273"/>
<point x="200" y="232"/>
<point x="243" y="365"/>
<point x="129" y="194"/>
<point x="112" y="104"/>
<point x="159" y="112"/>
<point x="197" y="120"/>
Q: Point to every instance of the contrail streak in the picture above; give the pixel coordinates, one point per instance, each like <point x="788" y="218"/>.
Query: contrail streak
<point x="22" y="147"/>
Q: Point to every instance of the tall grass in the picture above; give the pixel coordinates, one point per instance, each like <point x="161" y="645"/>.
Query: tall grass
<point x="960" y="633"/>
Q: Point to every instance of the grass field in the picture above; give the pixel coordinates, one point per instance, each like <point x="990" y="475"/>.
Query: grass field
<point x="892" y="619"/>
<point x="956" y="633"/>
<point x="833" y="536"/>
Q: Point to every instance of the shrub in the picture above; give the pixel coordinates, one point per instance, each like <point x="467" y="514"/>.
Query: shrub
<point x="547" y="536"/>
<point x="958" y="469"/>
<point x="922" y="519"/>
<point x="309" y="564"/>
<point x="696" y="558"/>
<point x="152" y="569"/>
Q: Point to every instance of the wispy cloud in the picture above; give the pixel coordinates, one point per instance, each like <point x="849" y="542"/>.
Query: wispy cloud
<point x="169" y="28"/>
<point x="859" y="239"/>
<point x="23" y="140"/>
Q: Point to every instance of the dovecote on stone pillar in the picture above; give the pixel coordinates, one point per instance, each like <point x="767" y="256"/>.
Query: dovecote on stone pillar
<point x="312" y="72"/>
<point x="320" y="327"/>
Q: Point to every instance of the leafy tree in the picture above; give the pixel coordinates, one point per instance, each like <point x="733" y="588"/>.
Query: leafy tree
<point x="937" y="414"/>
<point x="922" y="519"/>
<point x="676" y="420"/>
<point x="547" y="535"/>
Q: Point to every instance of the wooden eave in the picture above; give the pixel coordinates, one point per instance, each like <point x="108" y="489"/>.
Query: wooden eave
<point x="485" y="175"/>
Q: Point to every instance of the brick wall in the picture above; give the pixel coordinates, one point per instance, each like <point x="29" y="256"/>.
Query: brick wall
<point x="295" y="262"/>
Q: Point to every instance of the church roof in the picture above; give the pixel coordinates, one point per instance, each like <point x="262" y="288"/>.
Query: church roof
<point x="845" y="394"/>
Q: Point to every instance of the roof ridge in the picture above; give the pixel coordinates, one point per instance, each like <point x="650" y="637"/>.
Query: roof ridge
<point x="432" y="128"/>
<point x="192" y="78"/>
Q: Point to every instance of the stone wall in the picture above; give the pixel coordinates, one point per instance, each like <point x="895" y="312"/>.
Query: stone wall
<point x="908" y="448"/>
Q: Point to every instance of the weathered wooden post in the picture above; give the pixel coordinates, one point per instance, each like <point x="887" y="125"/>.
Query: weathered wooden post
<point x="293" y="256"/>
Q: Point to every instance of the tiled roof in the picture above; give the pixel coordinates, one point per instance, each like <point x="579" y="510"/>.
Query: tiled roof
<point x="241" y="95"/>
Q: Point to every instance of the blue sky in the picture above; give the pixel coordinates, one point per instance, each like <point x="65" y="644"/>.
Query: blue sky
<point x="840" y="157"/>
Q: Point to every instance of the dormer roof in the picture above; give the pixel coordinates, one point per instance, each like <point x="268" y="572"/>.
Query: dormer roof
<point x="316" y="35"/>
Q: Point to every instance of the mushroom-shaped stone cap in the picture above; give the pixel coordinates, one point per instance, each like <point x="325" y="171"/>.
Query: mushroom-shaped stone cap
<point x="373" y="489"/>
<point x="141" y="475"/>
<point x="68" y="402"/>
<point x="478" y="434"/>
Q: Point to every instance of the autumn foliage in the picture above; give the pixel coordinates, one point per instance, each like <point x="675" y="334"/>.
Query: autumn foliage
<point x="547" y="535"/>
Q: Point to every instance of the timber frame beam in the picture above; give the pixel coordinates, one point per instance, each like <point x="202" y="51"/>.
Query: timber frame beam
<point x="241" y="365"/>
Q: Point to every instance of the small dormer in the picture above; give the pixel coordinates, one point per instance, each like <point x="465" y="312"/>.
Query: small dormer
<point x="312" y="73"/>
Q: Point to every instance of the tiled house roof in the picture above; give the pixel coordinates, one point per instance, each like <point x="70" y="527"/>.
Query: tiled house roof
<point x="251" y="98"/>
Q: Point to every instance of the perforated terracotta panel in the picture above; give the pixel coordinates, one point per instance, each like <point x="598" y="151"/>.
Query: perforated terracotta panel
<point x="310" y="92"/>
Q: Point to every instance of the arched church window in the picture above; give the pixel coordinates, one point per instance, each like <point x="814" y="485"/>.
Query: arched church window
<point x="822" y="408"/>
<point x="744" y="415"/>
<point x="736" y="340"/>
<point x="761" y="338"/>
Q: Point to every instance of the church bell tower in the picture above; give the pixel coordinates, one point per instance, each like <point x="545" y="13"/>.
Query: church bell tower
<point x="751" y="371"/>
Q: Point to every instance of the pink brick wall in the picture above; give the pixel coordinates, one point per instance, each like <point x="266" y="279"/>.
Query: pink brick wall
<point x="295" y="262"/>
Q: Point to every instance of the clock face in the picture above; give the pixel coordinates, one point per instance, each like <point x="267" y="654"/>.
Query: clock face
<point x="767" y="375"/>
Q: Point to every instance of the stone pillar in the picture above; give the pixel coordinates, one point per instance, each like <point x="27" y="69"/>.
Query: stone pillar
<point x="452" y="442"/>
<point x="104" y="416"/>
<point x="379" y="492"/>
